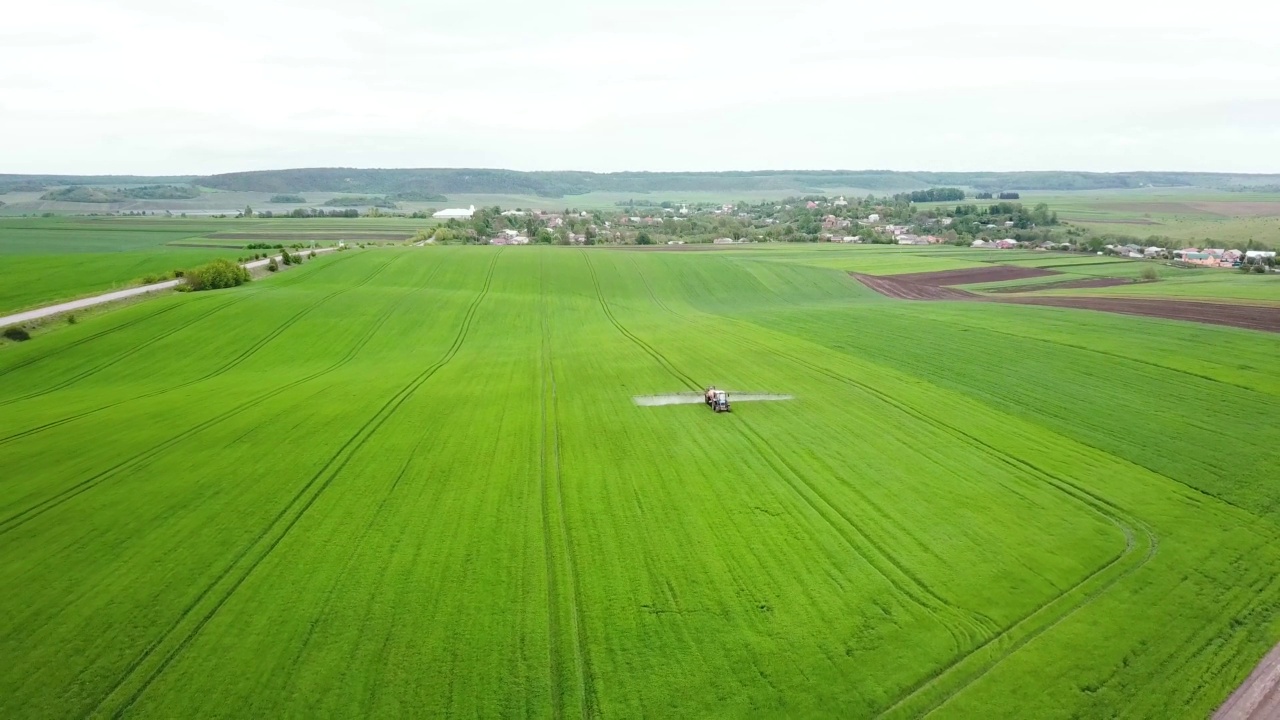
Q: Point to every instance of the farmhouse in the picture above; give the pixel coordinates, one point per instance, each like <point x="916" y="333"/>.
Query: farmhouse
<point x="455" y="213"/>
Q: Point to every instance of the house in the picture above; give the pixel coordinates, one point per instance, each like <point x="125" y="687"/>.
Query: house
<point x="841" y="202"/>
<point x="946" y="221"/>
<point x="513" y="213"/>
<point x="851" y="239"/>
<point x="455" y="213"/>
<point x="1199" y="258"/>
<point x="723" y="241"/>
<point x="982" y="244"/>
<point x="675" y="242"/>
<point x="811" y="205"/>
<point x="1008" y="223"/>
<point x="912" y="240"/>
<point x="1264" y="254"/>
<point x="1153" y="252"/>
<point x="873" y="218"/>
<point x="1006" y="244"/>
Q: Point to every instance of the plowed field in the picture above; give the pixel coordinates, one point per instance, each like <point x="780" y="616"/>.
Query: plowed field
<point x="932" y="286"/>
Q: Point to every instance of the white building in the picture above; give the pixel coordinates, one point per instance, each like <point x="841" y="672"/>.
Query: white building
<point x="455" y="213"/>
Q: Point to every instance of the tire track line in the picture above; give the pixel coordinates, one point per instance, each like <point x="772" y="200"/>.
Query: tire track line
<point x="209" y="376"/>
<point x="300" y="503"/>
<point x="937" y="604"/>
<point x="1098" y="504"/>
<point x="22" y="517"/>
<point x="590" y="702"/>
<point x="124" y="355"/>
<point x="553" y="592"/>
<point x="659" y="357"/>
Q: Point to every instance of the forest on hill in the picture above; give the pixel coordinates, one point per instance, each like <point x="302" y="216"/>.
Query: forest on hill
<point x="443" y="181"/>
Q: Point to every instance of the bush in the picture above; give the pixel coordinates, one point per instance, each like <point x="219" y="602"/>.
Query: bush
<point x="272" y="266"/>
<point x="71" y="319"/>
<point x="1150" y="273"/>
<point x="285" y="257"/>
<point x="17" y="334"/>
<point x="217" y="274"/>
<point x="1259" y="268"/>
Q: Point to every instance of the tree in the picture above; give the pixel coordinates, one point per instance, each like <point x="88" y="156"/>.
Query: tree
<point x="215" y="275"/>
<point x="272" y="266"/>
<point x="248" y="211"/>
<point x="643" y="238"/>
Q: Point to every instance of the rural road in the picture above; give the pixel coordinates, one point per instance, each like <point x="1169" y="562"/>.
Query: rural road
<point x="1259" y="697"/>
<point x="113" y="296"/>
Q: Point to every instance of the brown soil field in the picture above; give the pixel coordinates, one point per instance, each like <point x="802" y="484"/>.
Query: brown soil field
<point x="895" y="287"/>
<point x="972" y="276"/>
<point x="1250" y="317"/>
<point x="1064" y="285"/>
<point x="327" y="235"/>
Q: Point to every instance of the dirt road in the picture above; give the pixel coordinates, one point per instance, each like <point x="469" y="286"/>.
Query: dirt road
<point x="105" y="298"/>
<point x="1259" y="697"/>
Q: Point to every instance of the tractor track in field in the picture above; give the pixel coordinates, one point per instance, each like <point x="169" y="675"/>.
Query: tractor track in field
<point x="301" y="502"/>
<point x="935" y="606"/>
<point x="1096" y="503"/>
<point x="243" y="356"/>
<point x="122" y="356"/>
<point x="589" y="702"/>
<point x="21" y="518"/>
<point x="938" y="607"/>
<point x="101" y="333"/>
<point x="553" y="593"/>
<point x="648" y="349"/>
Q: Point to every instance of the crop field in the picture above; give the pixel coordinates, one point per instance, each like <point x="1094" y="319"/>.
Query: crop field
<point x="63" y="258"/>
<point x="413" y="481"/>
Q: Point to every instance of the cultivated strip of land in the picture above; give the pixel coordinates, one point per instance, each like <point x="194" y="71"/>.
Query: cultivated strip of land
<point x="923" y="287"/>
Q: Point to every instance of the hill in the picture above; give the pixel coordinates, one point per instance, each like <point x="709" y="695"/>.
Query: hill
<point x="436" y="182"/>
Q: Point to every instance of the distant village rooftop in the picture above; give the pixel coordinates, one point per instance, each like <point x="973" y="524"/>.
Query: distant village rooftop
<point x="457" y="213"/>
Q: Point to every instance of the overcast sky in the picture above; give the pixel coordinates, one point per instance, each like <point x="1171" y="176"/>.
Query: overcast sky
<point x="203" y="86"/>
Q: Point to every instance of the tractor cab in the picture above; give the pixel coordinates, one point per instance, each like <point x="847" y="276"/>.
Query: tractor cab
<point x="719" y="401"/>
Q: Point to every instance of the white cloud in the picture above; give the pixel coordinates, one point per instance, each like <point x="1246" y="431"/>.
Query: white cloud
<point x="142" y="86"/>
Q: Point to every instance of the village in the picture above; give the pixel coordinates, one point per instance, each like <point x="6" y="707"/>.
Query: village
<point x="893" y="220"/>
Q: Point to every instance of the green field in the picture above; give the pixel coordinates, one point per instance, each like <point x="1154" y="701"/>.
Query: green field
<point x="63" y="258"/>
<point x="412" y="482"/>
